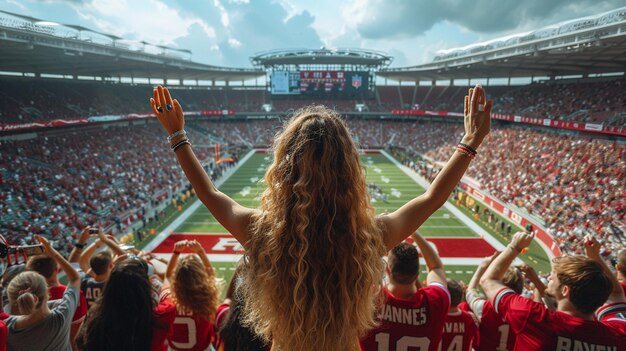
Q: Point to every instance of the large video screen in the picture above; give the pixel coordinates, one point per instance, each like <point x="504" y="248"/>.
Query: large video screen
<point x="320" y="83"/>
<point x="285" y="83"/>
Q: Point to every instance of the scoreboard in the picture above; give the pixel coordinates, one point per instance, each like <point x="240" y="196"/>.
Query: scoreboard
<point x="319" y="82"/>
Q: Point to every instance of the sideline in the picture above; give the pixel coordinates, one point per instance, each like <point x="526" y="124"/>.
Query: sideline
<point x="193" y="207"/>
<point x="485" y="235"/>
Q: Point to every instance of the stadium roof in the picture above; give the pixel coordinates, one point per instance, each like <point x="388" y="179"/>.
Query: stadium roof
<point x="589" y="45"/>
<point x="32" y="45"/>
<point x="322" y="56"/>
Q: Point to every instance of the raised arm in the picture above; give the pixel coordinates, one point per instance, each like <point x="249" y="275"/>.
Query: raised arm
<point x="234" y="217"/>
<point x="436" y="272"/>
<point x="472" y="296"/>
<point x="115" y="248"/>
<point x="405" y="220"/>
<point x="72" y="275"/>
<point x="86" y="255"/>
<point x="491" y="281"/>
<point x="178" y="248"/>
<point x="79" y="245"/>
<point x="592" y="249"/>
<point x="195" y="247"/>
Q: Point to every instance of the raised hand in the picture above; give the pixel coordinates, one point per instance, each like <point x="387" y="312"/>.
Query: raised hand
<point x="195" y="246"/>
<point x="48" y="249"/>
<point x="477" y="114"/>
<point x="592" y="246"/>
<point x="521" y="240"/>
<point x="168" y="111"/>
<point x="180" y="246"/>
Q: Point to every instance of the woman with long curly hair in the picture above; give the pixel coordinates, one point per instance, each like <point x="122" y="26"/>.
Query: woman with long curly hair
<point x="313" y="248"/>
<point x="195" y="292"/>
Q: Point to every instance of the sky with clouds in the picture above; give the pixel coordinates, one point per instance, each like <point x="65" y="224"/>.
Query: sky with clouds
<point x="229" y="32"/>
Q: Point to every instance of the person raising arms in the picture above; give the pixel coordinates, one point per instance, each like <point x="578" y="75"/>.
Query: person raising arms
<point x="195" y="292"/>
<point x="313" y="247"/>
<point x="579" y="284"/>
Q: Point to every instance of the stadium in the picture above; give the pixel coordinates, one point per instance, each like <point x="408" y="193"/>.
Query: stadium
<point x="80" y="145"/>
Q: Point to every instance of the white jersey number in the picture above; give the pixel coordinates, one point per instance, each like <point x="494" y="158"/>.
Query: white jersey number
<point x="504" y="337"/>
<point x="403" y="344"/>
<point x="191" y="333"/>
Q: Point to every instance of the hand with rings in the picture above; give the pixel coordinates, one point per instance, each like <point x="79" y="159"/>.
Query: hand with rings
<point x="168" y="111"/>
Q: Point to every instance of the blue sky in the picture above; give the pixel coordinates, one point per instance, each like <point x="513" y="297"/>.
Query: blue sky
<point x="228" y="32"/>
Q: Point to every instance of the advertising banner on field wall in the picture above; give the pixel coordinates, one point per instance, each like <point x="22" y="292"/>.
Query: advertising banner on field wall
<point x="497" y="206"/>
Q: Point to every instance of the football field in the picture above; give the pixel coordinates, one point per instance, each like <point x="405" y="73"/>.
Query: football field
<point x="461" y="242"/>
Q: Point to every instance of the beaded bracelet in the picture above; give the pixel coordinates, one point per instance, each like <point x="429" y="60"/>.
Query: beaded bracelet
<point x="469" y="148"/>
<point x="175" y="134"/>
<point x="177" y="146"/>
<point x="466" y="152"/>
<point x="179" y="143"/>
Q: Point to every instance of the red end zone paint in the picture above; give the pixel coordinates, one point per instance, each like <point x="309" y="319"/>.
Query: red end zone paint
<point x="226" y="244"/>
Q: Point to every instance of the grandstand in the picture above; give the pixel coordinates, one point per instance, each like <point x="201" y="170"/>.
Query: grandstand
<point x="71" y="96"/>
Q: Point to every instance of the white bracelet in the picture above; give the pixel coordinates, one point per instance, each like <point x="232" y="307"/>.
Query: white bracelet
<point x="175" y="134"/>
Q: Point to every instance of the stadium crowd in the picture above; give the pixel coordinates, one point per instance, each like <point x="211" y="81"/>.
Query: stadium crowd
<point x="25" y="101"/>
<point x="536" y="171"/>
<point x="56" y="185"/>
<point x="575" y="185"/>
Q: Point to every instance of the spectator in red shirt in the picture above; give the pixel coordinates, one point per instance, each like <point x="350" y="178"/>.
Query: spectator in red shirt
<point x="426" y="307"/>
<point x="579" y="284"/>
<point x="195" y="292"/>
<point x="460" y="329"/>
<point x="48" y="268"/>
<point x="495" y="332"/>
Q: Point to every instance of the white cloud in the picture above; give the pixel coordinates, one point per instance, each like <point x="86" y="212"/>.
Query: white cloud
<point x="234" y="43"/>
<point x="149" y="20"/>
<point x="223" y="13"/>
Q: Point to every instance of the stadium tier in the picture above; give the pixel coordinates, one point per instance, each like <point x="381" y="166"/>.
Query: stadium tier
<point x="24" y="101"/>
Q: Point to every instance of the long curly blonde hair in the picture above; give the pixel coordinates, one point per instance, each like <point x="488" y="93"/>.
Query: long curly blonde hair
<point x="194" y="289"/>
<point x="314" y="256"/>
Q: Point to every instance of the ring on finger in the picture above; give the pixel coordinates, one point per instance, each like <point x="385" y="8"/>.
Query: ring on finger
<point x="159" y="108"/>
<point x="481" y="107"/>
<point x="168" y="107"/>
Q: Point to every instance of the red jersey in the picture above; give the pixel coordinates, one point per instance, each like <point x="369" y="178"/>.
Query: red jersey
<point x="460" y="332"/>
<point x="413" y="324"/>
<point x="539" y="329"/>
<point x="623" y="287"/>
<point x="56" y="293"/>
<point x="614" y="315"/>
<point x="495" y="333"/>
<point x="189" y="332"/>
<point x="164" y="314"/>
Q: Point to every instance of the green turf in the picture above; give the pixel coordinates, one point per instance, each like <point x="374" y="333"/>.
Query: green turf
<point x="245" y="185"/>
